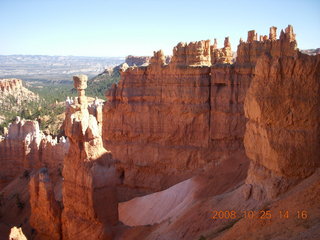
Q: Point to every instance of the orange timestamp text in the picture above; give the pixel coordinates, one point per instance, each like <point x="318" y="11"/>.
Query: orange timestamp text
<point x="261" y="214"/>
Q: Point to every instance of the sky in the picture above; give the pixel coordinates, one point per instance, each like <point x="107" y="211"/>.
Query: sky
<point x="118" y="28"/>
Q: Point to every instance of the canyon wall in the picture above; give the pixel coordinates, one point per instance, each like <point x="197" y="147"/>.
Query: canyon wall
<point x="283" y="132"/>
<point x="165" y="122"/>
<point x="282" y="138"/>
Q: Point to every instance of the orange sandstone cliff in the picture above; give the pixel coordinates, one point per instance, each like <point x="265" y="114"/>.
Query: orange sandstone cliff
<point x="282" y="104"/>
<point x="282" y="142"/>
<point x="165" y="122"/>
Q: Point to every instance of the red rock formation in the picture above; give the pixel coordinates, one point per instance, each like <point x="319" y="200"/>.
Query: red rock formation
<point x="281" y="139"/>
<point x="45" y="201"/>
<point x="273" y="33"/>
<point x="158" y="58"/>
<point x="22" y="152"/>
<point x="26" y="148"/>
<point x="282" y="104"/>
<point x="52" y="153"/>
<point x="186" y="115"/>
<point x="15" y="207"/>
<point x="223" y="55"/>
<point x="249" y="52"/>
<point x="194" y="53"/>
<point x="89" y="197"/>
<point x="13" y="87"/>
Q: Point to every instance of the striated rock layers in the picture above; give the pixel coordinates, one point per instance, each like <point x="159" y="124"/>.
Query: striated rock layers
<point x="282" y="104"/>
<point x="282" y="141"/>
<point x="89" y="196"/>
<point x="164" y="122"/>
<point x="25" y="148"/>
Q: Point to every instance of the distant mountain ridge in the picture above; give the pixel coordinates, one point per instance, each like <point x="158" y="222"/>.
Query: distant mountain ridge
<point x="311" y="51"/>
<point x="53" y="68"/>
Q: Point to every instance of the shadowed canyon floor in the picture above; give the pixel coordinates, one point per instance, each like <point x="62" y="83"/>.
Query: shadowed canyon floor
<point x="196" y="146"/>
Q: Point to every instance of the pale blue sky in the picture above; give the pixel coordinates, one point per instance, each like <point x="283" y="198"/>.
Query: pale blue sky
<point x="119" y="28"/>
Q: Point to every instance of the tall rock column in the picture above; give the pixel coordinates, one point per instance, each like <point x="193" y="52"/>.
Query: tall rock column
<point x="89" y="196"/>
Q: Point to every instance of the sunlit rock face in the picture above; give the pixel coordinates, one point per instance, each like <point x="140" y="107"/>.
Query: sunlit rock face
<point x="165" y="122"/>
<point x="282" y="105"/>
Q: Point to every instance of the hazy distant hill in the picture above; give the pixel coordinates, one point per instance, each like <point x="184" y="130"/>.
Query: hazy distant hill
<point x="311" y="51"/>
<point x="53" y="68"/>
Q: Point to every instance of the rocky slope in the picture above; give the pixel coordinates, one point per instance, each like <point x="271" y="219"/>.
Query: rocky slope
<point x="13" y="94"/>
